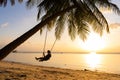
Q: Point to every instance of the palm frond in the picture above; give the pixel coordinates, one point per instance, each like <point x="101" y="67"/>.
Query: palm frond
<point x="20" y="1"/>
<point x="4" y="2"/>
<point x="59" y="26"/>
<point x="114" y="8"/>
<point x="12" y="2"/>
<point x="80" y="18"/>
<point x="72" y="30"/>
<point x="101" y="19"/>
<point x="71" y="26"/>
<point x="32" y="3"/>
<point x="51" y="24"/>
<point x="85" y="13"/>
<point x="51" y="6"/>
<point x="83" y="30"/>
<point x="41" y="30"/>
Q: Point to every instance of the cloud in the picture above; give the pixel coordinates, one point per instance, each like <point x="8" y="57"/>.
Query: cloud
<point x="114" y="25"/>
<point x="4" y="25"/>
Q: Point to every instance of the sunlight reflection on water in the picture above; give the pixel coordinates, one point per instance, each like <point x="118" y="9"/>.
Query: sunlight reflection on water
<point x="90" y="61"/>
<point x="93" y="60"/>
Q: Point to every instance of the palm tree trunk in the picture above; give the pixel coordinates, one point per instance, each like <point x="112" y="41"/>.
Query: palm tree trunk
<point x="11" y="46"/>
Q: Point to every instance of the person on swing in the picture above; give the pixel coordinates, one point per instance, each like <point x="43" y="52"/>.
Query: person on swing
<point x="45" y="57"/>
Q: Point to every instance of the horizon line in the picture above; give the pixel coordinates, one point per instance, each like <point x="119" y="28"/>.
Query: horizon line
<point x="66" y="52"/>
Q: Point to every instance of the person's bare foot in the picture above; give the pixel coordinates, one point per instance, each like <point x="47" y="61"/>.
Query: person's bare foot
<point x="36" y="58"/>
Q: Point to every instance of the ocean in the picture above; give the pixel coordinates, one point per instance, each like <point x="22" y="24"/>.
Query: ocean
<point x="109" y="62"/>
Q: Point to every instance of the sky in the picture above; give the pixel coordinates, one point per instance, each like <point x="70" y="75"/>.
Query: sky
<point x="16" y="20"/>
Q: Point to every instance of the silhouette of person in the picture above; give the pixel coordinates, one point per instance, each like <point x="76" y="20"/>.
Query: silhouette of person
<point x="45" y="57"/>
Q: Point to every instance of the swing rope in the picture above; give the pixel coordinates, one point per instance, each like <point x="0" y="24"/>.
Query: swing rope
<point x="46" y="42"/>
<point x="53" y="44"/>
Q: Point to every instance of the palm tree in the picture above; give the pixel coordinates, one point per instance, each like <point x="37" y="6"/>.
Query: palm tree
<point x="4" y="2"/>
<point x="79" y="15"/>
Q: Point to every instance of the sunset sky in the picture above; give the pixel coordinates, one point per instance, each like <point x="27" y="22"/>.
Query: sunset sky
<point x="16" y="20"/>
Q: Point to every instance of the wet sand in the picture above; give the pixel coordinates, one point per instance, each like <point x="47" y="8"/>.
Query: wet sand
<point x="18" y="71"/>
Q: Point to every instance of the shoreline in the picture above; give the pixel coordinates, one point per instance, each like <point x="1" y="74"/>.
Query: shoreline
<point x="21" y="71"/>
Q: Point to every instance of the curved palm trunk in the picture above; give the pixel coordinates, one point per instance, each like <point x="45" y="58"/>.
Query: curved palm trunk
<point x="11" y="46"/>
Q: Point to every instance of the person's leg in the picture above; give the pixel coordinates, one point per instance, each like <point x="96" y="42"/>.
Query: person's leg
<point x="38" y="58"/>
<point x="41" y="59"/>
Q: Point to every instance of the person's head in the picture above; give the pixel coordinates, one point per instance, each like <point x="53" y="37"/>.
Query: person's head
<point x="48" y="51"/>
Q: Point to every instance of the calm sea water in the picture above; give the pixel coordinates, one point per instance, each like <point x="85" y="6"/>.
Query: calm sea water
<point x="100" y="62"/>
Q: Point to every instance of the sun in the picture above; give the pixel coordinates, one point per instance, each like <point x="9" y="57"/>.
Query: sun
<point x="94" y="42"/>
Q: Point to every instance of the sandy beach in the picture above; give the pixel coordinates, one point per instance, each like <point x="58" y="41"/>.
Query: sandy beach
<point x="18" y="71"/>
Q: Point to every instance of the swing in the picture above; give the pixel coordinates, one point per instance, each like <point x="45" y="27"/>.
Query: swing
<point x="46" y="57"/>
